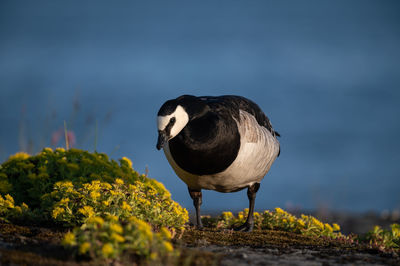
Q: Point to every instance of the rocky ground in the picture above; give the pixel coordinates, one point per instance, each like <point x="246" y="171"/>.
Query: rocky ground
<point x="281" y="248"/>
<point x="297" y="256"/>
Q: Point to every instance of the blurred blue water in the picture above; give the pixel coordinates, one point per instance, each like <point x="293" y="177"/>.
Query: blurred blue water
<point x="327" y="73"/>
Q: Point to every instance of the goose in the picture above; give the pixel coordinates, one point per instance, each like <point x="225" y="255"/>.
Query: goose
<point x="222" y="143"/>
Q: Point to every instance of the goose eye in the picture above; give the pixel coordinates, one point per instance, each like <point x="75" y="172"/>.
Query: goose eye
<point x="172" y="120"/>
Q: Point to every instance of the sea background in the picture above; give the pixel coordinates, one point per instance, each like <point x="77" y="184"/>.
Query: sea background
<point x="327" y="73"/>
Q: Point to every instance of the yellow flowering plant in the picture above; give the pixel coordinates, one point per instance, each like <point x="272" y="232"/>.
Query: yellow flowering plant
<point x="109" y="237"/>
<point x="27" y="178"/>
<point x="141" y="200"/>
<point x="278" y="220"/>
<point x="10" y="211"/>
<point x="384" y="239"/>
<point x="69" y="186"/>
<point x="113" y="208"/>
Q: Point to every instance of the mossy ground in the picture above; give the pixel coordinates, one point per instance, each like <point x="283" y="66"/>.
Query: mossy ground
<point x="26" y="245"/>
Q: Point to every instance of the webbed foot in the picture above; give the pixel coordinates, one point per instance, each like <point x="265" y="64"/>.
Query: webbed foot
<point x="246" y="227"/>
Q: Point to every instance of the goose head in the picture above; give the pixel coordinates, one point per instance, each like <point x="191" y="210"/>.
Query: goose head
<point x="175" y="114"/>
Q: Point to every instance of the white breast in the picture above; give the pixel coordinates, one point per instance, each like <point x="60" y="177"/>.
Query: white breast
<point x="258" y="150"/>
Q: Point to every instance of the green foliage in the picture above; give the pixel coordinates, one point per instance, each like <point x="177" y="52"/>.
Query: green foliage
<point x="115" y="208"/>
<point x="10" y="211"/>
<point x="148" y="201"/>
<point x="279" y="220"/>
<point x="27" y="178"/>
<point x="109" y="238"/>
<point x="384" y="239"/>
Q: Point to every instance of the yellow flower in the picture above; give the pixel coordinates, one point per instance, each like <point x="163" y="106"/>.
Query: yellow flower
<point x="227" y="215"/>
<point x="395" y="230"/>
<point x="377" y="229"/>
<point x="60" y="149"/>
<point x="105" y="203"/>
<point x="336" y="227"/>
<point x="86" y="211"/>
<point x="94" y="195"/>
<point x="69" y="239"/>
<point x="19" y="156"/>
<point x="119" y="181"/>
<point x="84" y="247"/>
<point x="279" y="210"/>
<point x="146" y="202"/>
<point x="144" y="227"/>
<point x="168" y="246"/>
<point x="107" y="250"/>
<point x="126" y="159"/>
<point x="328" y="227"/>
<point x="96" y="220"/>
<point x="318" y="223"/>
<point x="9" y="198"/>
<point x="165" y="233"/>
<point x="24" y="206"/>
<point x="9" y="203"/>
<point x="95" y="184"/>
<point x="113" y="193"/>
<point x="151" y="192"/>
<point x="106" y="185"/>
<point x="68" y="184"/>
<point x="57" y="211"/>
<point x="64" y="185"/>
<point x="47" y="149"/>
<point x="301" y="222"/>
<point x="126" y="206"/>
<point x="117" y="237"/>
<point x="64" y="201"/>
<point x="132" y="187"/>
<point x="161" y="188"/>
<point x="116" y="228"/>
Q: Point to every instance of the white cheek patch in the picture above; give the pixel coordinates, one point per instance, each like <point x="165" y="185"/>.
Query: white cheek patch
<point x="181" y="119"/>
<point x="162" y="121"/>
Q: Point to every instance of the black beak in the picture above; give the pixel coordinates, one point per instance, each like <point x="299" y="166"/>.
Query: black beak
<point x="162" y="139"/>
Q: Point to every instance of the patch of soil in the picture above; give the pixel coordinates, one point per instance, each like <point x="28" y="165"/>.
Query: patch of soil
<point x="268" y="247"/>
<point x="23" y="245"/>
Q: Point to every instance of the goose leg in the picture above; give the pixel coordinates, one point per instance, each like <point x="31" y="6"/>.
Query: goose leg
<point x="251" y="194"/>
<point x="196" y="195"/>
